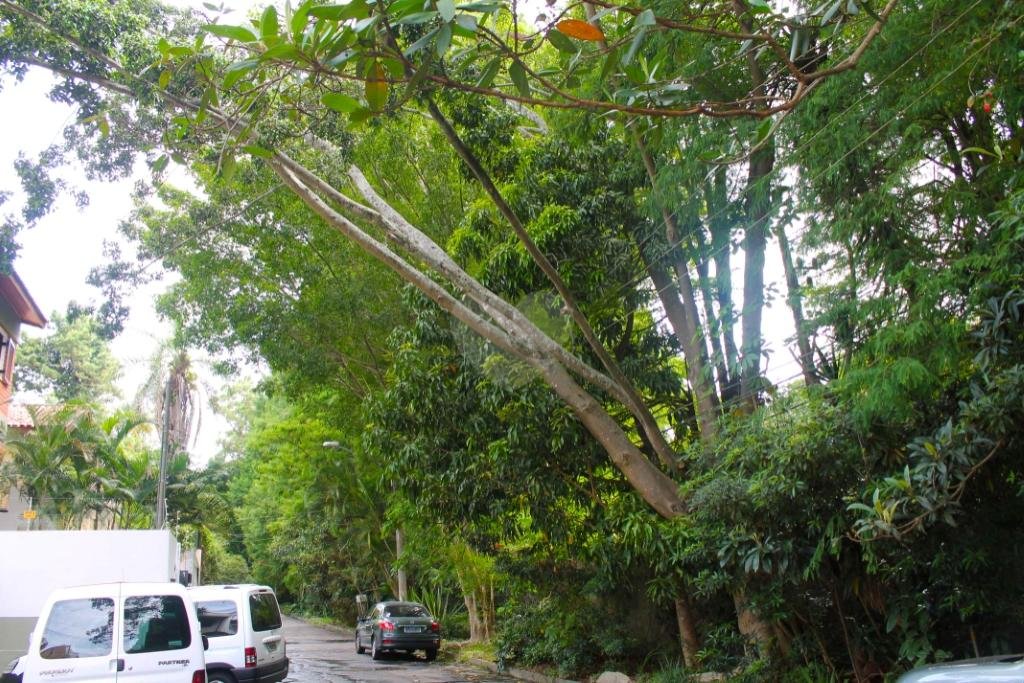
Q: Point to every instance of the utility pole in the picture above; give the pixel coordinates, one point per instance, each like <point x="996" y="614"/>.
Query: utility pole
<point x="160" y="519"/>
<point x="403" y="583"/>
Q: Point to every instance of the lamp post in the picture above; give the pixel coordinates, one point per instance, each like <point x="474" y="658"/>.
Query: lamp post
<point x="403" y="582"/>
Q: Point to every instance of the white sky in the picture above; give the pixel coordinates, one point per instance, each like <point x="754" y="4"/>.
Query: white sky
<point x="58" y="253"/>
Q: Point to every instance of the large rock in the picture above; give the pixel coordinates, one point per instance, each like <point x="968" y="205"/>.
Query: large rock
<point x="613" y="677"/>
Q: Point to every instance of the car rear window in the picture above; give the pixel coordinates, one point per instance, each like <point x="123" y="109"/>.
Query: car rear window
<point x="217" y="617"/>
<point x="154" y="623"/>
<point x="406" y="611"/>
<point x="264" y="611"/>
<point x="78" y="628"/>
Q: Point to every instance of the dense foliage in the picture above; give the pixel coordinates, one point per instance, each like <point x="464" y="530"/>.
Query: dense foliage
<point x="607" y="457"/>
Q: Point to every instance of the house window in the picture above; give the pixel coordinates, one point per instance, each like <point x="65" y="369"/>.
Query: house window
<point x="6" y="357"/>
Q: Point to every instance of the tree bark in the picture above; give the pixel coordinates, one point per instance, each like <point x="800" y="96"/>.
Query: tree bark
<point x="688" y="638"/>
<point x="796" y="306"/>
<point x="720" y="225"/>
<point x="688" y="333"/>
<point x="633" y="402"/>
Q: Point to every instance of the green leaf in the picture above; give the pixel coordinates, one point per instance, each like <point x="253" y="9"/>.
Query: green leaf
<point x="340" y="58"/>
<point x="400" y="8"/>
<point x="518" y="75"/>
<point x="165" y="78"/>
<point x="359" y="115"/>
<point x="269" y="26"/>
<point x="340" y="103"/>
<point x="444" y="40"/>
<point x="237" y="72"/>
<point x="421" y="73"/>
<point x="764" y="129"/>
<point x="228" y="167"/>
<point x="280" y="51"/>
<point x="299" y="19"/>
<point x="561" y="42"/>
<point x="257" y="151"/>
<point x="239" y="33"/>
<point x="446" y="8"/>
<point x="161" y="163"/>
<point x="357" y="9"/>
<point x="645" y="18"/>
<point x="610" y="63"/>
<point x="364" y="24"/>
<point x="759" y="6"/>
<point x="489" y="73"/>
<point x="627" y="58"/>
<point x="416" y="18"/>
<point x="421" y="43"/>
<point x="467" y="22"/>
<point x="483" y="6"/>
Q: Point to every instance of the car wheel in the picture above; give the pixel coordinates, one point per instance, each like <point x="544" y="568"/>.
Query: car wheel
<point x="359" y="645"/>
<point x="431" y="654"/>
<point x="375" y="650"/>
<point x="219" y="677"/>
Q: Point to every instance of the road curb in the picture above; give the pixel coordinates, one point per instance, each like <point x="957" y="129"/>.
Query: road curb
<point x="521" y="674"/>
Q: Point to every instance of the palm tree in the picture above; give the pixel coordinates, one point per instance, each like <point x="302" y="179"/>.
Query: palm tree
<point x="73" y="463"/>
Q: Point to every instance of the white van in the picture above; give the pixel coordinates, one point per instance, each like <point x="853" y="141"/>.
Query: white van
<point x="243" y="625"/>
<point x="122" y="632"/>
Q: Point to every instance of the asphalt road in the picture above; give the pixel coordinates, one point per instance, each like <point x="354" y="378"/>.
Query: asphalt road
<point x="319" y="655"/>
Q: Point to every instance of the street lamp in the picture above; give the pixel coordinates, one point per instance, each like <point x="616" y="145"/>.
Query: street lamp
<point x="403" y="583"/>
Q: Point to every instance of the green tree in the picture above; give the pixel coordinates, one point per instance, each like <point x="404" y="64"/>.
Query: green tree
<point x="72" y="363"/>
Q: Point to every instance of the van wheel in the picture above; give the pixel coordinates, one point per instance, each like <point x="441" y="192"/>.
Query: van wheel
<point x="219" y="677"/>
<point x="431" y="653"/>
<point x="359" y="645"/>
<point x="375" y="650"/>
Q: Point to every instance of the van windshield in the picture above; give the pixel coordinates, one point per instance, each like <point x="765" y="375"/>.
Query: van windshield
<point x="264" y="611"/>
<point x="78" y="628"/>
<point x="154" y="623"/>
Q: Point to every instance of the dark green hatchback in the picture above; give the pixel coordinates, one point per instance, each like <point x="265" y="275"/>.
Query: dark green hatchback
<point x="395" y="626"/>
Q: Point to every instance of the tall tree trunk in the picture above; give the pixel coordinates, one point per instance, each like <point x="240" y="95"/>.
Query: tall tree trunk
<point x="688" y="333"/>
<point x="796" y="305"/>
<point x="714" y="326"/>
<point x="754" y="244"/>
<point x="758" y="202"/>
<point x="758" y="205"/>
<point x="688" y="638"/>
<point x="720" y="225"/>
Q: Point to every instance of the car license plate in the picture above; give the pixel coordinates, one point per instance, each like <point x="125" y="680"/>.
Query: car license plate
<point x="272" y="647"/>
<point x="414" y="629"/>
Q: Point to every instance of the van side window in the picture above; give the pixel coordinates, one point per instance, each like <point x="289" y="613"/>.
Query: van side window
<point x="78" y="628"/>
<point x="217" y="617"/>
<point x="154" y="623"/>
<point x="264" y="611"/>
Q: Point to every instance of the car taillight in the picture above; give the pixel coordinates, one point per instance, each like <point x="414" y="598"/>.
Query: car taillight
<point x="199" y="676"/>
<point x="435" y="627"/>
<point x="386" y="625"/>
<point x="250" y="657"/>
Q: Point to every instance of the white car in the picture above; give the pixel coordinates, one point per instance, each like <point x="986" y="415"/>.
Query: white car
<point x="122" y="632"/>
<point x="999" y="669"/>
<point x="243" y="625"/>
